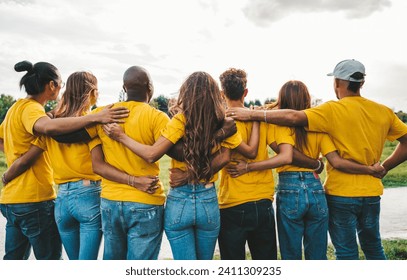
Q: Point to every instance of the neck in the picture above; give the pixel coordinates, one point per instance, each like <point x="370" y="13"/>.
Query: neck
<point x="40" y="98"/>
<point x="235" y="103"/>
<point x="347" y="93"/>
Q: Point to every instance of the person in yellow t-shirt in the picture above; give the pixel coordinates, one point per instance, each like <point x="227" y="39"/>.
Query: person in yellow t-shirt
<point x="191" y="219"/>
<point x="252" y="193"/>
<point x="132" y="211"/>
<point x="28" y="189"/>
<point x="359" y="128"/>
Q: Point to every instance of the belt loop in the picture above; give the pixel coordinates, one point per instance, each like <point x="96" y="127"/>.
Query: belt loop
<point x="301" y="176"/>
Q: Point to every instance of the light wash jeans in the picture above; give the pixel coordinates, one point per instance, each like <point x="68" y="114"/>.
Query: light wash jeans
<point x="302" y="216"/>
<point x="192" y="221"/>
<point x="131" y="230"/>
<point x="349" y="216"/>
<point x="77" y="213"/>
<point x="31" y="225"/>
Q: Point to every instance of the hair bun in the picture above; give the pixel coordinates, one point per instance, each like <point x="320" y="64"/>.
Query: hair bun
<point x="23" y="66"/>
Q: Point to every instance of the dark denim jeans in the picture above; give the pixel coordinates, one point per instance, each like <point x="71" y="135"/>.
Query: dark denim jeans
<point x="131" y="230"/>
<point x="77" y="213"/>
<point x="349" y="216"/>
<point x="192" y="222"/>
<point x="302" y="216"/>
<point x="251" y="222"/>
<point x="31" y="225"/>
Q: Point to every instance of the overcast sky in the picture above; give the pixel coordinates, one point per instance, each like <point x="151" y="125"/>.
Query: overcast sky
<point x="273" y="40"/>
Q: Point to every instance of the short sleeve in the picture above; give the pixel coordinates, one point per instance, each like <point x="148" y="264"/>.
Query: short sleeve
<point x="40" y="142"/>
<point x="2" y="130"/>
<point x="160" y="123"/>
<point x="30" y="115"/>
<point x="327" y="145"/>
<point x="270" y="132"/>
<point x="94" y="142"/>
<point x="284" y="135"/>
<point x="233" y="141"/>
<point x="175" y="128"/>
<point x="319" y="118"/>
<point x="397" y="129"/>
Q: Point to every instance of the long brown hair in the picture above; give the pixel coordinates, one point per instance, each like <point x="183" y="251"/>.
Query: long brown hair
<point x="76" y="99"/>
<point x="201" y="103"/>
<point x="294" y="95"/>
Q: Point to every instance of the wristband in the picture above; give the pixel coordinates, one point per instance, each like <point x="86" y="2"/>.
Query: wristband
<point x="319" y="165"/>
<point x="265" y="116"/>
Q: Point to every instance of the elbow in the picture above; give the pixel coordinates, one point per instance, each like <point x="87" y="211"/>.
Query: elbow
<point x="295" y="118"/>
<point x="287" y="160"/>
<point x="51" y="131"/>
<point x="97" y="169"/>
<point x="151" y="158"/>
<point x="252" y="154"/>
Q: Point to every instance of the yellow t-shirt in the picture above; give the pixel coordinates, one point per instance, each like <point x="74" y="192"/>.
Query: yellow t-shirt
<point x="70" y="162"/>
<point x="359" y="128"/>
<point x="144" y="125"/>
<point x="175" y="130"/>
<point x="17" y="130"/>
<point x="317" y="143"/>
<point x="254" y="185"/>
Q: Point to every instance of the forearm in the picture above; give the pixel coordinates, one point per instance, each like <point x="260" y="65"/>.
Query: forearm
<point x="59" y="126"/>
<point x="146" y="152"/>
<point x="77" y="136"/>
<point x="301" y="160"/>
<point x="398" y="156"/>
<point x="221" y="158"/>
<point x="177" y="151"/>
<point x="110" y="172"/>
<point x="270" y="163"/>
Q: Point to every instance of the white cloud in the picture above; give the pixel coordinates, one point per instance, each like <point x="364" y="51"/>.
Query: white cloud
<point x="264" y="12"/>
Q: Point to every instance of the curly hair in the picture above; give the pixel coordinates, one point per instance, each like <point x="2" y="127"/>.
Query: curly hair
<point x="201" y="103"/>
<point x="76" y="99"/>
<point x="294" y="95"/>
<point x="233" y="82"/>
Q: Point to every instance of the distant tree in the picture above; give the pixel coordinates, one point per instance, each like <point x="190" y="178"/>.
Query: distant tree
<point x="5" y="103"/>
<point x="161" y="103"/>
<point x="256" y="102"/>
<point x="402" y="116"/>
<point x="50" y="105"/>
<point x="122" y="96"/>
<point x="269" y="101"/>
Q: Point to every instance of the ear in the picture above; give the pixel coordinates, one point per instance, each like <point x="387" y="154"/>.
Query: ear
<point x="52" y="85"/>
<point x="246" y="91"/>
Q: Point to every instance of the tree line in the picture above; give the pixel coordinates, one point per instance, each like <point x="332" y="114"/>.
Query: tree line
<point x="161" y="103"/>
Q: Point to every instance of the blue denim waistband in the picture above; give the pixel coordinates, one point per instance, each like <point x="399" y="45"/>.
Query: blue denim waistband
<point x="298" y="174"/>
<point x="84" y="182"/>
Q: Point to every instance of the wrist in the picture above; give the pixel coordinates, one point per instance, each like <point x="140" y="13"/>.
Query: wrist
<point x="319" y="162"/>
<point x="4" y="179"/>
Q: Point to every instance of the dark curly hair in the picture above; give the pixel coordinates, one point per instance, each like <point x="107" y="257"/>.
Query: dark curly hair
<point x="233" y="82"/>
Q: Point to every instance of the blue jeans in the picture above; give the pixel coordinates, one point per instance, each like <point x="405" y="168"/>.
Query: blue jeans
<point x="192" y="221"/>
<point x="351" y="215"/>
<point x="302" y="216"/>
<point x="31" y="225"/>
<point x="77" y="213"/>
<point x="252" y="222"/>
<point x="131" y="230"/>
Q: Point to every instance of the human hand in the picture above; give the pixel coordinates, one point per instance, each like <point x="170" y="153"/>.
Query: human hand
<point x="114" y="131"/>
<point x="146" y="184"/>
<point x="237" y="167"/>
<point x="177" y="177"/>
<point x="378" y="170"/>
<point x="112" y="115"/>
<point x="241" y="114"/>
<point x="229" y="127"/>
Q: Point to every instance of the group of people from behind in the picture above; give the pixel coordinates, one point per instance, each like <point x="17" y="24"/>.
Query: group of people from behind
<point x="105" y="165"/>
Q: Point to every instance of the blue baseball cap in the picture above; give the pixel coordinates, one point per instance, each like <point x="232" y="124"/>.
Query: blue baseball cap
<point x="346" y="68"/>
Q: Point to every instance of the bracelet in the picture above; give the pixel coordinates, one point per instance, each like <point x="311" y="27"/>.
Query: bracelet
<point x="3" y="179"/>
<point x="132" y="181"/>
<point x="319" y="165"/>
<point x="247" y="165"/>
<point x="128" y="179"/>
<point x="265" y="116"/>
